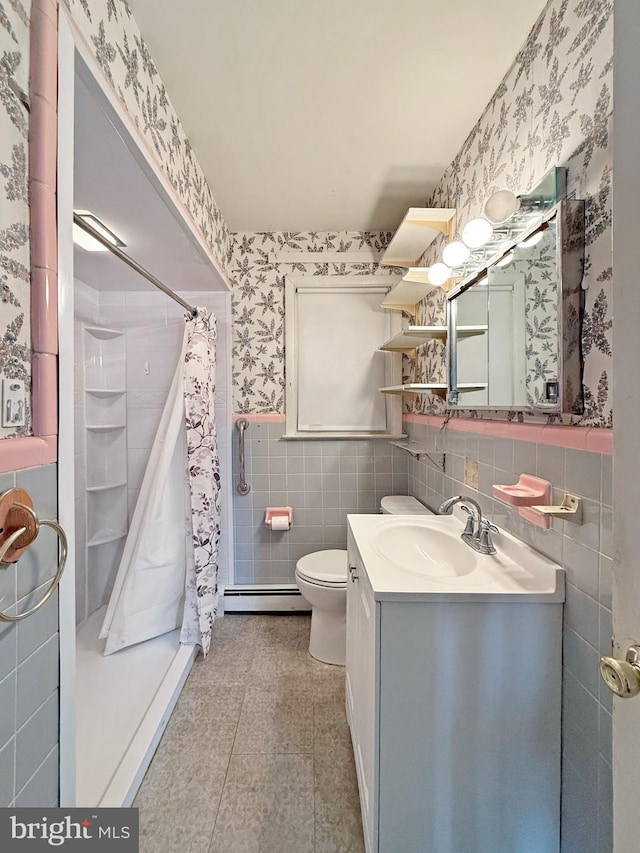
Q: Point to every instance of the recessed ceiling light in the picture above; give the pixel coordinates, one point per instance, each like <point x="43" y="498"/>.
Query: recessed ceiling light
<point x="89" y="242"/>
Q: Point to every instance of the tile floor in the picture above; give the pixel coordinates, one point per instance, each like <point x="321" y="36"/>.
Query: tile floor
<point x="257" y="756"/>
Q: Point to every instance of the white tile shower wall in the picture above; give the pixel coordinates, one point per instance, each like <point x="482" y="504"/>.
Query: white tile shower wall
<point x="29" y="661"/>
<point x="586" y="552"/>
<point x="154" y="328"/>
<point x="321" y="480"/>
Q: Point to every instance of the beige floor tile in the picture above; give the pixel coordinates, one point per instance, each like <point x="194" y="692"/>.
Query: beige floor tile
<point x="275" y="721"/>
<point x="267" y="806"/>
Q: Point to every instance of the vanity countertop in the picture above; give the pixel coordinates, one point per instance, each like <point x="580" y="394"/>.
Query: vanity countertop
<point x="422" y="558"/>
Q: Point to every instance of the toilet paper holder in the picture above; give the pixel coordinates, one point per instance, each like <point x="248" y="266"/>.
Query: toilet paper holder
<point x="278" y="517"/>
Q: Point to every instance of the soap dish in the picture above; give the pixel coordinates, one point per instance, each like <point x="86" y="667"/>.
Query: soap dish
<point x="528" y="492"/>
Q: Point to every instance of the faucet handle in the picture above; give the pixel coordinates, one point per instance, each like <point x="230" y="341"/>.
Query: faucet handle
<point x="470" y="526"/>
<point x="487" y="525"/>
<point x="485" y="544"/>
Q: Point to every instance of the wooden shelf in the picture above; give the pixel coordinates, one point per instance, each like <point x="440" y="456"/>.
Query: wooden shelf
<point x="414" y="336"/>
<point x="470" y="331"/>
<point x="439" y="388"/>
<point x="416" y="232"/>
<point x="409" y="291"/>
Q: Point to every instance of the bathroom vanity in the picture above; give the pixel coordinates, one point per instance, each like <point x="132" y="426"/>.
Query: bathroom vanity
<point x="453" y="689"/>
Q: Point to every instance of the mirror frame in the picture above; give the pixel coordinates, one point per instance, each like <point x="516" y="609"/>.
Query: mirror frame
<point x="570" y="249"/>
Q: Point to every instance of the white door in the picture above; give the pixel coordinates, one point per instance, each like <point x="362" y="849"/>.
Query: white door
<point x="626" y="398"/>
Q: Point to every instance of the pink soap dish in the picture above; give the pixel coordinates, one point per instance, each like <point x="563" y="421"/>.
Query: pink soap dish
<point x="528" y="492"/>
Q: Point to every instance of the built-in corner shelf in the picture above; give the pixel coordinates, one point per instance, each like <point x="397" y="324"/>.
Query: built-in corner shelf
<point x="106" y="487"/>
<point x="105" y="392"/>
<point x="103" y="333"/>
<point x="105" y="427"/>
<point x="416" y="232"/>
<point x="414" y="336"/>
<point x="105" y="423"/>
<point x="106" y="536"/>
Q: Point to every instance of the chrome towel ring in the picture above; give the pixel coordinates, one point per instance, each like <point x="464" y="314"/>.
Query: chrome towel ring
<point x="19" y="527"/>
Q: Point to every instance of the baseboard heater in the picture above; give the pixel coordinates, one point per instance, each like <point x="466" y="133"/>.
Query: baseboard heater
<point x="263" y="598"/>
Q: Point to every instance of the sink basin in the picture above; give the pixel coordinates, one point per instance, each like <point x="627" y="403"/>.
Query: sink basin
<point x="424" y="550"/>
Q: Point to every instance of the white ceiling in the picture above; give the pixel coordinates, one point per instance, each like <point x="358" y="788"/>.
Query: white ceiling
<point x="110" y="182"/>
<point x="332" y="114"/>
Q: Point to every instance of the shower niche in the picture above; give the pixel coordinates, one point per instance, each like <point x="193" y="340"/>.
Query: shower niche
<point x="105" y="433"/>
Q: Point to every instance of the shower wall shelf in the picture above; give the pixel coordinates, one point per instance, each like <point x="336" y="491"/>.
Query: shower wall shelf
<point x="102" y="333"/>
<point x="105" y="423"/>
<point x="416" y="232"/>
<point x="105" y="392"/>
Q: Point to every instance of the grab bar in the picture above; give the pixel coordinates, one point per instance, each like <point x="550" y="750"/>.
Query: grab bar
<point x="243" y="488"/>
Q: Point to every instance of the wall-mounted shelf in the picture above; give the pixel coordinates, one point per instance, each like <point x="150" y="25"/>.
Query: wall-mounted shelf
<point x="409" y="291"/>
<point x="438" y="388"/>
<point x="471" y="331"/>
<point x="524" y="494"/>
<point x="416" y="232"/>
<point x="414" y="336"/>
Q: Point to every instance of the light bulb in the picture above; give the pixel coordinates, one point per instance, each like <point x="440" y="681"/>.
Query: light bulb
<point x="476" y="233"/>
<point x="501" y="206"/>
<point x="455" y="254"/>
<point x="438" y="274"/>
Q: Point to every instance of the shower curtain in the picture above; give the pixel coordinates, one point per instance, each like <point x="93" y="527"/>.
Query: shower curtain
<point x="168" y="572"/>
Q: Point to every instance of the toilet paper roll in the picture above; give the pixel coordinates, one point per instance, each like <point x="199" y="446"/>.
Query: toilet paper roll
<point x="280" y="522"/>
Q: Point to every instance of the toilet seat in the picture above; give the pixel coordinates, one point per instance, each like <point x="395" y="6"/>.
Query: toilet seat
<point x="324" y="568"/>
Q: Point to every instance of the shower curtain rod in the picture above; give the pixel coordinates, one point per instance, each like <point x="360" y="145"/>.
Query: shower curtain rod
<point x="115" y="250"/>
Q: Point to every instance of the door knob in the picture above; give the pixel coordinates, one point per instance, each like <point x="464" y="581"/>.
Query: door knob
<point x="622" y="676"/>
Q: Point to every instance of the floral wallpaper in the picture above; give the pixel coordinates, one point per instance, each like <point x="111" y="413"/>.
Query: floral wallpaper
<point x="553" y="108"/>
<point x="258" y="303"/>
<point x="15" y="332"/>
<point x="115" y="40"/>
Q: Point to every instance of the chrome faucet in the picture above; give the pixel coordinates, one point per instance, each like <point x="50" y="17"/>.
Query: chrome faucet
<point x="478" y="530"/>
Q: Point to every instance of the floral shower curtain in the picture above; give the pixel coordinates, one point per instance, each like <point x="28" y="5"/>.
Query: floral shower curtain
<point x="167" y="576"/>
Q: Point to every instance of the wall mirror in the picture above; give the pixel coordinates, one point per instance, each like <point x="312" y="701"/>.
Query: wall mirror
<point x="514" y="326"/>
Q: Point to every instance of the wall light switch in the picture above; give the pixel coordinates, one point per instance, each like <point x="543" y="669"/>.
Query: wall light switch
<point x="14" y="403"/>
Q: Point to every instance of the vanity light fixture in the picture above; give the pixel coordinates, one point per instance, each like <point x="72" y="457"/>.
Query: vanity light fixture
<point x="477" y="233"/>
<point x="439" y="274"/>
<point x="455" y="254"/>
<point x="501" y="206"/>
<point x="86" y="241"/>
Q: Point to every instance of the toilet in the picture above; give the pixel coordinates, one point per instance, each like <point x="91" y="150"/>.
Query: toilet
<point x="322" y="579"/>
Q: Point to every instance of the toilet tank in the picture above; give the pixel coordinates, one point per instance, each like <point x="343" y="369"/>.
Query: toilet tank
<point x="403" y="505"/>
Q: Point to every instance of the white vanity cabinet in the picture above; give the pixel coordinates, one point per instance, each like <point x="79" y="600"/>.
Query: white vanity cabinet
<point x="454" y="707"/>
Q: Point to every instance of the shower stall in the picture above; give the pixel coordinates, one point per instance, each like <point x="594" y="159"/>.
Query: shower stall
<point x="120" y="342"/>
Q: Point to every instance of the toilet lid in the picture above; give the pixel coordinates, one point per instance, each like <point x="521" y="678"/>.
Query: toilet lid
<point x="325" y="567"/>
